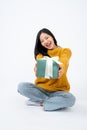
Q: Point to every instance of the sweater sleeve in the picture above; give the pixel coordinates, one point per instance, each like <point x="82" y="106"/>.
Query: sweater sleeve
<point x="64" y="58"/>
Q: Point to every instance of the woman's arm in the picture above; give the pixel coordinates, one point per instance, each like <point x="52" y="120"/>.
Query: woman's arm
<point x="64" y="58"/>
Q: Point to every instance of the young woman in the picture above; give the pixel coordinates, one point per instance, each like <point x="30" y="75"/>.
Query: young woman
<point x="52" y="94"/>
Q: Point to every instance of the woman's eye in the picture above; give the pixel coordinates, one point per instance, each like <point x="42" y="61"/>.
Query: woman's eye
<point x="46" y="37"/>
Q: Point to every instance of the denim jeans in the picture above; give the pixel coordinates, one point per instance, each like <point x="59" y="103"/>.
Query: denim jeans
<point x="51" y="100"/>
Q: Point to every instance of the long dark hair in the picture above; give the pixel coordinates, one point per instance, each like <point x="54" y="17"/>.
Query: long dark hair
<point x="38" y="47"/>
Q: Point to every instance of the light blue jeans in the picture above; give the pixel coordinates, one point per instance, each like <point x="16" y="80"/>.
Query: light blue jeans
<point x="51" y="100"/>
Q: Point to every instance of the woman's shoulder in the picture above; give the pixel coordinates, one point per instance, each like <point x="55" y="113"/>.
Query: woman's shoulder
<point x="63" y="49"/>
<point x="39" y="56"/>
<point x="66" y="51"/>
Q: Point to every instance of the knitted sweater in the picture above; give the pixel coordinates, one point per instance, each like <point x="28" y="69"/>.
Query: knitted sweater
<point x="61" y="84"/>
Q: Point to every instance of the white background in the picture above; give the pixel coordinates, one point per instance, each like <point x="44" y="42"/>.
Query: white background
<point x="20" y="20"/>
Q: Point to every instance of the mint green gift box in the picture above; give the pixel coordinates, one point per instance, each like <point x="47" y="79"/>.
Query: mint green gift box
<point x="47" y="68"/>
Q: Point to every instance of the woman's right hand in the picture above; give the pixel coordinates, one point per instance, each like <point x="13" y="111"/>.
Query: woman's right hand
<point x="35" y="68"/>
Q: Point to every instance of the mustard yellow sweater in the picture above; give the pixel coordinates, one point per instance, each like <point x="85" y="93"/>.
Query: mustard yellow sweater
<point x="62" y="84"/>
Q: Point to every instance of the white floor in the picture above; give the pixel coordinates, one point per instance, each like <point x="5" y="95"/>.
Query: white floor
<point x="16" y="115"/>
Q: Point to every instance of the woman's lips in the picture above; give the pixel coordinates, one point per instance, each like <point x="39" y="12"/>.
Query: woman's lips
<point x="48" y="45"/>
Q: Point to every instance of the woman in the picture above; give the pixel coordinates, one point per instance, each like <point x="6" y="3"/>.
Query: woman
<point x="54" y="93"/>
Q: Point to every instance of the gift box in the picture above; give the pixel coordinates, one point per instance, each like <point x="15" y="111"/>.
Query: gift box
<point x="48" y="67"/>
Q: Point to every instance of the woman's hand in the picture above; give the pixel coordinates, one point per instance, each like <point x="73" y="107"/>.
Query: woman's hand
<point x="60" y="72"/>
<point x="35" y="68"/>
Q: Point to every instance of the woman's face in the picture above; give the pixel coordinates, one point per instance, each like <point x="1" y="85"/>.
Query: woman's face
<point x="47" y="41"/>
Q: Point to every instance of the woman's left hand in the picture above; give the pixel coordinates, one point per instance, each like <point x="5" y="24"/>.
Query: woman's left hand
<point x="60" y="72"/>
